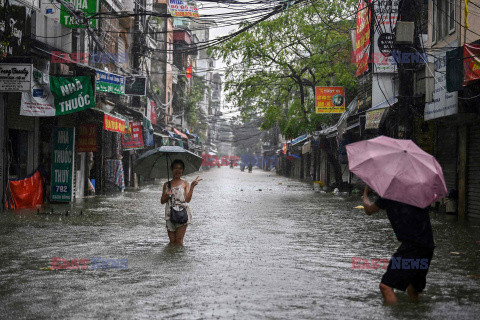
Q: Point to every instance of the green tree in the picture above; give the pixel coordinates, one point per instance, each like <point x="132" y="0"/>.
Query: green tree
<point x="194" y="115"/>
<point x="274" y="67"/>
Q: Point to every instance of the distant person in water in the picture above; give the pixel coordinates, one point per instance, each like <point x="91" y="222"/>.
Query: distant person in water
<point x="180" y="193"/>
<point x="409" y="265"/>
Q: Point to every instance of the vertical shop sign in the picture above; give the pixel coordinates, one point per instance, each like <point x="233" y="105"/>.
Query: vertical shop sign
<point x="362" y="43"/>
<point x="87" y="138"/>
<point x="62" y="164"/>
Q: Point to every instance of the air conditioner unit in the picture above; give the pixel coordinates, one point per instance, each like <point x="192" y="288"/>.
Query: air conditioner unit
<point x="404" y="32"/>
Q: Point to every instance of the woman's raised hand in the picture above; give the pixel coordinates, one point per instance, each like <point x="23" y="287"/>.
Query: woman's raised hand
<point x="196" y="181"/>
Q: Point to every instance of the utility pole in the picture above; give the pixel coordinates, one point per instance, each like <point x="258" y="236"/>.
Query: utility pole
<point x="406" y="70"/>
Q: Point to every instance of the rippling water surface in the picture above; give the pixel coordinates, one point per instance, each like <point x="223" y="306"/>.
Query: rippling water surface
<point x="260" y="246"/>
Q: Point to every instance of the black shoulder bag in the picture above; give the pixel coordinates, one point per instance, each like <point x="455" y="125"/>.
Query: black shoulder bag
<point x="177" y="216"/>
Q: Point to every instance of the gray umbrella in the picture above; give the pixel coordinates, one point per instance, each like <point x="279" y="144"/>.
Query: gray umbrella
<point x="156" y="163"/>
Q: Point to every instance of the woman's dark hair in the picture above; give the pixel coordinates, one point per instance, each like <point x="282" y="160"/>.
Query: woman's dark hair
<point x="178" y="161"/>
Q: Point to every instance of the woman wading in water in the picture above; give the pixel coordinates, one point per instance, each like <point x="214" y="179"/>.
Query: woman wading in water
<point x="180" y="193"/>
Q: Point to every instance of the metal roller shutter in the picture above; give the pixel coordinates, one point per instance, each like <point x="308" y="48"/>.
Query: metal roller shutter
<point x="473" y="173"/>
<point x="446" y="154"/>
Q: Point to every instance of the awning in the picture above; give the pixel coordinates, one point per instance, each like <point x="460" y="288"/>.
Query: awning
<point x="332" y="131"/>
<point x="385" y="104"/>
<point x="183" y="135"/>
<point x="299" y="139"/>
<point x="160" y="135"/>
<point x="170" y="133"/>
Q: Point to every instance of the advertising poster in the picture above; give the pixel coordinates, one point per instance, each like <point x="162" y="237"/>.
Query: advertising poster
<point x="329" y="100"/>
<point x="183" y="8"/>
<point x="39" y="102"/>
<point x="133" y="138"/>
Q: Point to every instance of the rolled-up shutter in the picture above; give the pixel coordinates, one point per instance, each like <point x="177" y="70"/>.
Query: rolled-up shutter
<point x="473" y="172"/>
<point x="446" y="154"/>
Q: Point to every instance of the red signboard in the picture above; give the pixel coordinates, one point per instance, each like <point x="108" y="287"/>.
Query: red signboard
<point x="87" y="138"/>
<point x="133" y="137"/>
<point x="362" y="43"/>
<point x="153" y="114"/>
<point x="471" y="63"/>
<point x="111" y="123"/>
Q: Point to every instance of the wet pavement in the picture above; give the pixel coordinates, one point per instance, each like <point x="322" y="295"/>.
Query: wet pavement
<point x="260" y="246"/>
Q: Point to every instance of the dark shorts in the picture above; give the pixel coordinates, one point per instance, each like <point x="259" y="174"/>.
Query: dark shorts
<point x="408" y="265"/>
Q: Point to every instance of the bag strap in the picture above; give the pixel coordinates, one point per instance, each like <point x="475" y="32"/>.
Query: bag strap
<point x="171" y="196"/>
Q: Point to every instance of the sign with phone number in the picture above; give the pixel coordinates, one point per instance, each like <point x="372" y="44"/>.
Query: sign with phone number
<point x="62" y="164"/>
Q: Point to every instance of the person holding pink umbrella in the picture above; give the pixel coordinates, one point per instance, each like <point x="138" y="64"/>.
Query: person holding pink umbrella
<point x="408" y="180"/>
<point x="408" y="268"/>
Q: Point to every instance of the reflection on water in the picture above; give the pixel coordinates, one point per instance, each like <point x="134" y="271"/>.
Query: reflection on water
<point x="258" y="247"/>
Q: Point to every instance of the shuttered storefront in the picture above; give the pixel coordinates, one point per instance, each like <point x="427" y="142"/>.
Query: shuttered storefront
<point x="473" y="171"/>
<point x="446" y="154"/>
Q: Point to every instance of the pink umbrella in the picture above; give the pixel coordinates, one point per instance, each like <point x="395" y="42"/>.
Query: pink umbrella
<point x="398" y="170"/>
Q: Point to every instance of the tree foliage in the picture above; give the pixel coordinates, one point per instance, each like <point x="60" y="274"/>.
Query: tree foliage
<point x="194" y="115"/>
<point x="274" y="67"/>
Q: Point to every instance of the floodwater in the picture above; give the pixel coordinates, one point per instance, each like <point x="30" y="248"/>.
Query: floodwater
<point x="260" y="246"/>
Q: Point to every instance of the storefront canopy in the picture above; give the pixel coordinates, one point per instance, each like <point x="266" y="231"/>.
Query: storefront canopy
<point x="183" y="135"/>
<point x="385" y="104"/>
<point x="332" y="131"/>
<point x="299" y="139"/>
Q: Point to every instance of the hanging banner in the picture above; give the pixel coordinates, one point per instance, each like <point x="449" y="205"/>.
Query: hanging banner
<point x="39" y="102"/>
<point x="136" y="86"/>
<point x="153" y="111"/>
<point x="109" y="82"/>
<point x="329" y="100"/>
<point x="72" y="94"/>
<point x="362" y="43"/>
<point x="114" y="124"/>
<point x="15" y="77"/>
<point x="87" y="138"/>
<point x="89" y="7"/>
<point x="471" y="63"/>
<point x="133" y="138"/>
<point x="183" y="8"/>
<point x="62" y="164"/>
<point x="386" y="14"/>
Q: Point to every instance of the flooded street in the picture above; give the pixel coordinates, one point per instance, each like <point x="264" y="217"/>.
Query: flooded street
<point x="259" y="246"/>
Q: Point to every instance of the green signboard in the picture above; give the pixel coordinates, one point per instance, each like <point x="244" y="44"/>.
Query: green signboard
<point x="62" y="164"/>
<point x="89" y="7"/>
<point x="72" y="94"/>
<point x="109" y="82"/>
